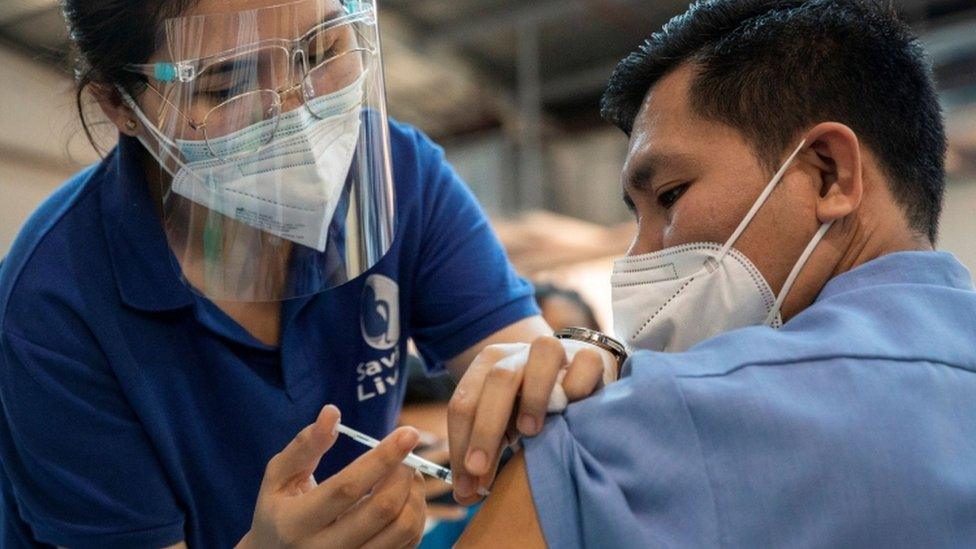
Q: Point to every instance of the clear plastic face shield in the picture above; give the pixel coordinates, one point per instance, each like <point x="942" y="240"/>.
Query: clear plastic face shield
<point x="270" y="131"/>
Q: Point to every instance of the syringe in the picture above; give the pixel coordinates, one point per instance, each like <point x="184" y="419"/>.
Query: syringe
<point x="428" y="468"/>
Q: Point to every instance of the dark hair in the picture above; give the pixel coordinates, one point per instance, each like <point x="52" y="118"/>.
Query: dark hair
<point x="544" y="291"/>
<point x="772" y="68"/>
<point x="109" y="34"/>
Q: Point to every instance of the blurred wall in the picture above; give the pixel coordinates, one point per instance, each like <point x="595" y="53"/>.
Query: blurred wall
<point x="958" y="231"/>
<point x="582" y="173"/>
<point x="486" y="163"/>
<point x="41" y="143"/>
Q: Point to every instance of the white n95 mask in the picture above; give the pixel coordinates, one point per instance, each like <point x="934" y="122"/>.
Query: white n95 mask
<point x="292" y="187"/>
<point x="675" y="298"/>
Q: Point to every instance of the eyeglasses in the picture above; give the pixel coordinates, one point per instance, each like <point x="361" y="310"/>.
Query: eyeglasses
<point x="331" y="57"/>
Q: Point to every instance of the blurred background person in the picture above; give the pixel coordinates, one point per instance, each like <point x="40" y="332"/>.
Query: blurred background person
<point x="563" y="308"/>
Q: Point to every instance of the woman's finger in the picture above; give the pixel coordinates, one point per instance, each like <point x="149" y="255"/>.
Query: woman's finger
<point x="546" y="359"/>
<point x="485" y="481"/>
<point x="584" y="376"/>
<point x="408" y="527"/>
<point x="462" y="409"/>
<point x="292" y="467"/>
<point x="337" y="494"/>
<point x="493" y="414"/>
<point x="376" y="512"/>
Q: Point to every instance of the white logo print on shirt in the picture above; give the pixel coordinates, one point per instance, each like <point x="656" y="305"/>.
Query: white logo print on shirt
<point x="380" y="325"/>
<point x="380" y="313"/>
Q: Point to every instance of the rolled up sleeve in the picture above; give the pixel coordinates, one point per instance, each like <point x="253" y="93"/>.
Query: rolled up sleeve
<point x="623" y="469"/>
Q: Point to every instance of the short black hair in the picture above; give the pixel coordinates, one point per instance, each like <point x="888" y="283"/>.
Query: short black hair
<point x="772" y="68"/>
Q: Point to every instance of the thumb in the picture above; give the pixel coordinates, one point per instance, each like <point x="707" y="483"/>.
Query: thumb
<point x="302" y="455"/>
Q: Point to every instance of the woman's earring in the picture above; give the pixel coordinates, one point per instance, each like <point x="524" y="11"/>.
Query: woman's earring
<point x="131" y="125"/>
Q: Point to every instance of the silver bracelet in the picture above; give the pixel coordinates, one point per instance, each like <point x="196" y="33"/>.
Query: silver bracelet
<point x="597" y="339"/>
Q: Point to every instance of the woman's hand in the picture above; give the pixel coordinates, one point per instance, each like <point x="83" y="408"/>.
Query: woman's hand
<point x="375" y="500"/>
<point x="510" y="381"/>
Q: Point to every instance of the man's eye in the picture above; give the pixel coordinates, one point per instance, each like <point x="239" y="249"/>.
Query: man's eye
<point x="668" y="198"/>
<point x="630" y="204"/>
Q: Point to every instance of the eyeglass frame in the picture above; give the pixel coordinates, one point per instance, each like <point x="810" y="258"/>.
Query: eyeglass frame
<point x="186" y="71"/>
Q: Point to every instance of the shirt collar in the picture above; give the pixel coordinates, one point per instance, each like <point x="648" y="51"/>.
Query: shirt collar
<point x="141" y="258"/>
<point x="926" y="268"/>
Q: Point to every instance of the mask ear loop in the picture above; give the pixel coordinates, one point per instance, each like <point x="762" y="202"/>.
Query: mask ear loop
<point x="154" y="131"/>
<point x="790" y="280"/>
<point x="755" y="208"/>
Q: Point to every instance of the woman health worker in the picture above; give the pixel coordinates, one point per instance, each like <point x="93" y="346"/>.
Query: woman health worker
<point x="262" y="242"/>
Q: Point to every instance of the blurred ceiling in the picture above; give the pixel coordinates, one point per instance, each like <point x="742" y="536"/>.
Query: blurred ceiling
<point x="459" y="66"/>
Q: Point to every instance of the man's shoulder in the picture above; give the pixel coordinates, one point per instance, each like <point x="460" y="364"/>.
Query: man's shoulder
<point x="843" y="425"/>
<point x="63" y="226"/>
<point x="832" y="429"/>
<point x="899" y="322"/>
<point x="885" y="349"/>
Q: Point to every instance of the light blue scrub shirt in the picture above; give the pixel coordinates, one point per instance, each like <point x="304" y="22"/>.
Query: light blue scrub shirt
<point x="852" y="426"/>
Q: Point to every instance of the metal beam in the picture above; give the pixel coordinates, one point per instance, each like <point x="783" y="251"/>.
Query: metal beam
<point x="540" y="12"/>
<point x="944" y="44"/>
<point x="950" y="42"/>
<point x="586" y="81"/>
<point x="528" y="13"/>
<point x="408" y="36"/>
<point x="531" y="170"/>
<point x="14" y="13"/>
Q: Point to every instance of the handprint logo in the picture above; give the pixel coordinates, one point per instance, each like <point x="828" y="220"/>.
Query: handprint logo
<point x="376" y="315"/>
<point x="380" y="315"/>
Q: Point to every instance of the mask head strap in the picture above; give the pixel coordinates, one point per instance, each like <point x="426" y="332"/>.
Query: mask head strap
<point x="759" y="202"/>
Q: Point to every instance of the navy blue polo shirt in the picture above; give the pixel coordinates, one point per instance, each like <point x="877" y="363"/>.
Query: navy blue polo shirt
<point x="136" y="413"/>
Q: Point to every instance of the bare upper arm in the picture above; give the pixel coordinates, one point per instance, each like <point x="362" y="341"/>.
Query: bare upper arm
<point x="523" y="331"/>
<point x="508" y="517"/>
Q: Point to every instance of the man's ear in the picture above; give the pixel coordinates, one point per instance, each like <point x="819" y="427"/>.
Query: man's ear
<point x="837" y="155"/>
<point x="110" y="100"/>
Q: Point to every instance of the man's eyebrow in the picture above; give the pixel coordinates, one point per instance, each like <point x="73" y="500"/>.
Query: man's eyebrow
<point x="653" y="164"/>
